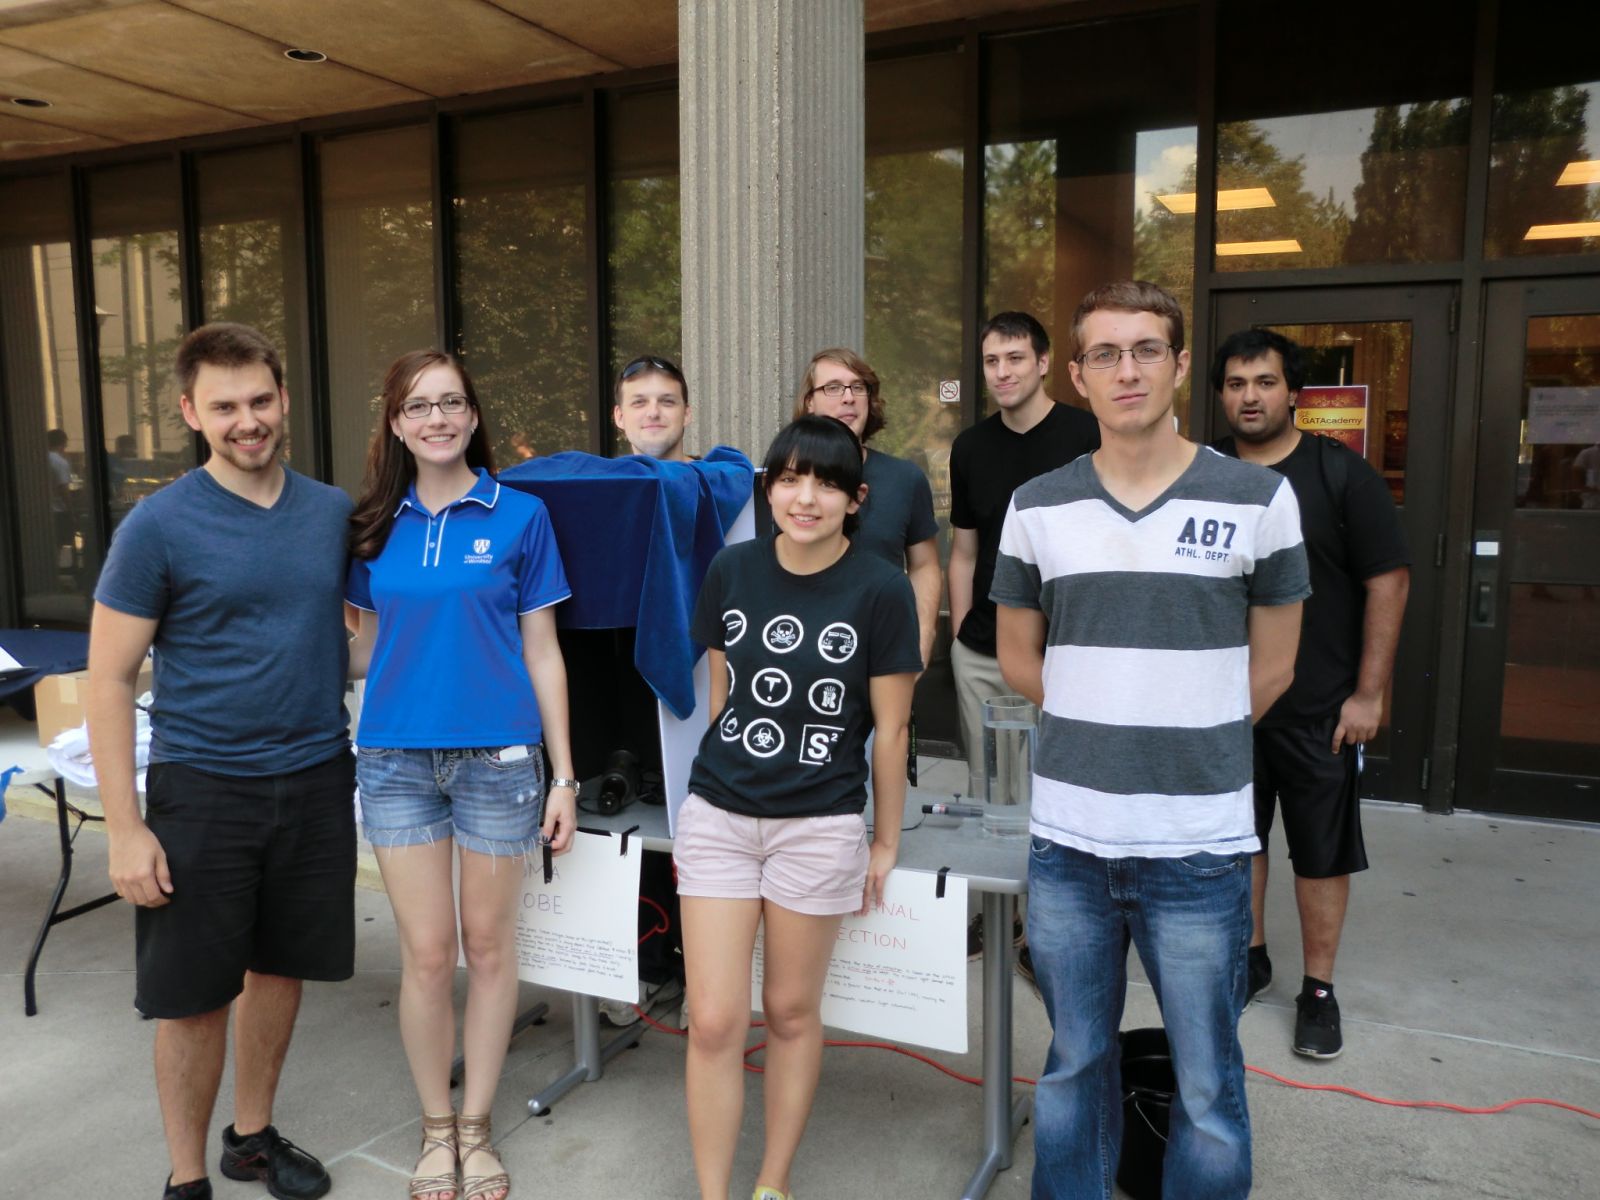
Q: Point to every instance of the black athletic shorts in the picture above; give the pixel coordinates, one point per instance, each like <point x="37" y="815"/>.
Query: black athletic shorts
<point x="263" y="879"/>
<point x="1319" y="792"/>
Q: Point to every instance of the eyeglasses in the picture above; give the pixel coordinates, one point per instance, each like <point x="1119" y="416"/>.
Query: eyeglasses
<point x="833" y="389"/>
<point x="451" y="405"/>
<point x="1146" y="354"/>
<point x="649" y="362"/>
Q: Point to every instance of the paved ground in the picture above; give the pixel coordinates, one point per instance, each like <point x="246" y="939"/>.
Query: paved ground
<point x="1464" y="978"/>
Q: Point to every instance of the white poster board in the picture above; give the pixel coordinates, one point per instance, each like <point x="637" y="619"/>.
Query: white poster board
<point x="1564" y="416"/>
<point x="900" y="972"/>
<point x="580" y="931"/>
<point x="681" y="739"/>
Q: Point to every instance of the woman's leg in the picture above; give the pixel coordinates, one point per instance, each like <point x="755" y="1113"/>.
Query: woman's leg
<point x="490" y="887"/>
<point x="418" y="881"/>
<point x="798" y="948"/>
<point x="718" y="937"/>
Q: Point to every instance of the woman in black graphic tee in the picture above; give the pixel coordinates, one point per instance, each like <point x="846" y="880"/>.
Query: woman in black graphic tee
<point x="813" y="646"/>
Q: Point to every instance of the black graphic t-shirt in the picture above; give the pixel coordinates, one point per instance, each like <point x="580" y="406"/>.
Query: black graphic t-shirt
<point x="802" y="650"/>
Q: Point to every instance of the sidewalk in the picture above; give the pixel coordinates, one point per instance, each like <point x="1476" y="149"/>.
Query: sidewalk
<point x="1463" y="978"/>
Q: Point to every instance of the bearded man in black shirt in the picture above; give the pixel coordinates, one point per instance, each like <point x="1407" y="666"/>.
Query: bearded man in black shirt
<point x="1308" y="746"/>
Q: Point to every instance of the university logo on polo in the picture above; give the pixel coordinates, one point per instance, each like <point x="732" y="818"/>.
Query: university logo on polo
<point x="480" y="552"/>
<point x="1206" y="538"/>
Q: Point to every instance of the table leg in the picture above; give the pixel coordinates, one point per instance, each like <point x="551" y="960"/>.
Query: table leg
<point x="1003" y="1116"/>
<point x="30" y="1005"/>
<point x="589" y="1056"/>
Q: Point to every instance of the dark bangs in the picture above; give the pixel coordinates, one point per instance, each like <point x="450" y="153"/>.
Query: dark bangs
<point x="820" y="446"/>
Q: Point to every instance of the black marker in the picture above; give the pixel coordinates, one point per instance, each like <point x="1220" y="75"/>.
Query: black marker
<point x="954" y="810"/>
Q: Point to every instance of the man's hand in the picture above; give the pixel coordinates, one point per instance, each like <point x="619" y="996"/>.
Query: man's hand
<point x="1358" y="720"/>
<point x="138" y="867"/>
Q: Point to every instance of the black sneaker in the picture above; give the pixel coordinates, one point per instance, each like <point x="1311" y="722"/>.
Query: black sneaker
<point x="1316" y="1024"/>
<point x="1260" y="974"/>
<point x="1025" y="966"/>
<point x="288" y="1171"/>
<point x="195" y="1189"/>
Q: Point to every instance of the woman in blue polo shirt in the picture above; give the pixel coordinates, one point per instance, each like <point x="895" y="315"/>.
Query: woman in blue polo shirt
<point x="456" y="579"/>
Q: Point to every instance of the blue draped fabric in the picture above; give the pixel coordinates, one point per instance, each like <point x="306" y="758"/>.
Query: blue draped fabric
<point x="636" y="536"/>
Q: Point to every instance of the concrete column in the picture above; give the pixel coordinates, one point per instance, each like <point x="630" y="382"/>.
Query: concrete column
<point x="771" y="108"/>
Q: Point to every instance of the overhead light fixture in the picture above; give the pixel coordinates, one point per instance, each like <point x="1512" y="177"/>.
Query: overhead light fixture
<point x="30" y="102"/>
<point x="306" y="56"/>
<point x="1579" y="173"/>
<point x="1550" y="233"/>
<point x="1280" y="246"/>
<point x="1228" y="200"/>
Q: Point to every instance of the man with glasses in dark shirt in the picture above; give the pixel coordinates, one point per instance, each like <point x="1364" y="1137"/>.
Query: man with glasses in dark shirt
<point x="1308" y="746"/>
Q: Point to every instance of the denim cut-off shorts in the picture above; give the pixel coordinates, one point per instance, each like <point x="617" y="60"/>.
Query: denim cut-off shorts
<point x="418" y="797"/>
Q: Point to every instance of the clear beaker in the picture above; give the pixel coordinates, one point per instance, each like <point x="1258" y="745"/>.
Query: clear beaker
<point x="1010" y="725"/>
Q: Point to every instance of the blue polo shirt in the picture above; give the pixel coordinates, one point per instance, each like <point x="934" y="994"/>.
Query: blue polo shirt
<point x="447" y="669"/>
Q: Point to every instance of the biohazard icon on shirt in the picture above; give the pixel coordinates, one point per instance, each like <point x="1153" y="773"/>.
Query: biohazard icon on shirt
<point x="783" y="634"/>
<point x="770" y="686"/>
<point x="827" y="697"/>
<point x="763" y="737"/>
<point x="837" y="643"/>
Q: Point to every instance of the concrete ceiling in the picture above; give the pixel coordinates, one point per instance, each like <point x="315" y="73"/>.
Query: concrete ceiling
<point x="119" y="72"/>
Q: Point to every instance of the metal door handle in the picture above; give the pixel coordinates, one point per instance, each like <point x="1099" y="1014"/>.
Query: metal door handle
<point x="1483" y="603"/>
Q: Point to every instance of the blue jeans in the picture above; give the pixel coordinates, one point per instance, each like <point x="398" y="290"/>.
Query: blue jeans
<point x="1190" y="919"/>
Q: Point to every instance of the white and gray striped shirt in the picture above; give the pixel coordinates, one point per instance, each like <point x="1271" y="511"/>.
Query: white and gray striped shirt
<point x="1144" y="745"/>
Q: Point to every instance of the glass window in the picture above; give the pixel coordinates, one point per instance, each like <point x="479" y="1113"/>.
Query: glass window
<point x="1075" y="160"/>
<point x="249" y="216"/>
<point x="45" y="460"/>
<point x="1558" y="461"/>
<point x="913" y="258"/>
<point x="377" y="254"/>
<point x="138" y="305"/>
<point x="521" y="277"/>
<point x="1369" y="165"/>
<point x="1544" y="157"/>
<point x="643" y="231"/>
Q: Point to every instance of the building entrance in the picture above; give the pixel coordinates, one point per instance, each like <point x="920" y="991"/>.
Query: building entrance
<point x="1530" y="719"/>
<point x="1391" y="348"/>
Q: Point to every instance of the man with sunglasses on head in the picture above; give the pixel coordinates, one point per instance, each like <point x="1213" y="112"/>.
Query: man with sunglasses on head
<point x="243" y="864"/>
<point x="651" y="408"/>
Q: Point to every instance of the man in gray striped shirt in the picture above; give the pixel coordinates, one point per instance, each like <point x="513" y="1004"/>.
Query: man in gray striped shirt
<point x="1149" y="601"/>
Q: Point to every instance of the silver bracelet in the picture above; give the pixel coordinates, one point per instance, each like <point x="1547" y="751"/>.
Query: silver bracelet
<point x="566" y="783"/>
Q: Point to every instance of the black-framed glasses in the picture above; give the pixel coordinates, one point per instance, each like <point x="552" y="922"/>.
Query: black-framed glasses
<point x="834" y="388"/>
<point x="453" y="404"/>
<point x="649" y="362"/>
<point x="1146" y="354"/>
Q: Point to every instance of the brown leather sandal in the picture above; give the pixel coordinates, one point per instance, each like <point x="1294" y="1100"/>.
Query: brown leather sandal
<point x="473" y="1134"/>
<point x="438" y="1133"/>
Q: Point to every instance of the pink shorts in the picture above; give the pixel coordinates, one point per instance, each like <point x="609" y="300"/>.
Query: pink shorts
<point x="813" y="865"/>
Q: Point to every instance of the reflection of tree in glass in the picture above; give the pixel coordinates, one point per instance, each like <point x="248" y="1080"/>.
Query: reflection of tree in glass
<point x="524" y="328"/>
<point x="913" y="296"/>
<point x="144" y="262"/>
<point x="1247" y="158"/>
<point x="645" y="304"/>
<point x="1409" y="205"/>
<point x="1019" y="229"/>
<point x="1535" y="135"/>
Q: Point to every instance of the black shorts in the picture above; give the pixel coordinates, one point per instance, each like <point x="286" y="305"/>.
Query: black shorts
<point x="263" y="879"/>
<point x="1320" y="795"/>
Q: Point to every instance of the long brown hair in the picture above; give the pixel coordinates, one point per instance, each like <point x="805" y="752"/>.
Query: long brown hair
<point x="391" y="468"/>
<point x="855" y="364"/>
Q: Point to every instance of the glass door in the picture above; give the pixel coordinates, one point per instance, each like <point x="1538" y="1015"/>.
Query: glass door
<point x="1530" y="720"/>
<point x="1389" y="351"/>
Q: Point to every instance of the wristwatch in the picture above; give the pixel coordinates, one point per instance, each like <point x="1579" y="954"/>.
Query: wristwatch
<point x="566" y="783"/>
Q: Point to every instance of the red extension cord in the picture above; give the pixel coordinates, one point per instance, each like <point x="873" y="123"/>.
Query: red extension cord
<point x="1505" y="1106"/>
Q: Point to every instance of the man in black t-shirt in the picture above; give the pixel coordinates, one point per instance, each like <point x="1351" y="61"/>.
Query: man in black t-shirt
<point x="1308" y="746"/>
<point x="1029" y="435"/>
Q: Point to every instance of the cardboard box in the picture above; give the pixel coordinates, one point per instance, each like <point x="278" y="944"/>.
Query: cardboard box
<point x="59" y="699"/>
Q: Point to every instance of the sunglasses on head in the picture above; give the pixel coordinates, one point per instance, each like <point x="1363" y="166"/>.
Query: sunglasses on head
<point x="649" y="362"/>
